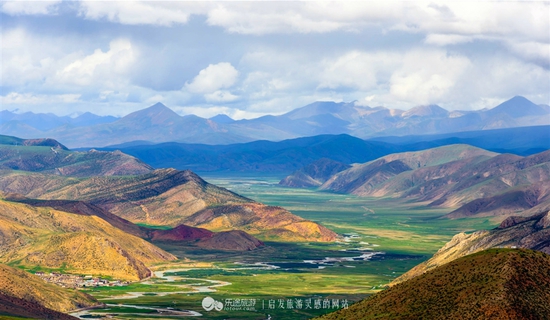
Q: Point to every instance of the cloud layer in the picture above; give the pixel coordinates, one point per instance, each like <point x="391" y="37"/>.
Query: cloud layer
<point x="247" y="59"/>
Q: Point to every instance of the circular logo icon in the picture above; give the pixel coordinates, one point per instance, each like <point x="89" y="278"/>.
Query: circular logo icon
<point x="209" y="304"/>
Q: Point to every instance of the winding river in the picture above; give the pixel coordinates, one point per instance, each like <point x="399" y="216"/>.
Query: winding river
<point x="159" y="278"/>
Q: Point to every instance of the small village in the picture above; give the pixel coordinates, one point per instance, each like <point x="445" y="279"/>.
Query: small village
<point x="74" y="281"/>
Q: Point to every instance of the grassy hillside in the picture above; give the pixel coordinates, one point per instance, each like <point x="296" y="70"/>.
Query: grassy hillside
<point x="492" y="284"/>
<point x="475" y="181"/>
<point x="54" y="239"/>
<point x="169" y="197"/>
<point x="49" y="156"/>
<point x="514" y="232"/>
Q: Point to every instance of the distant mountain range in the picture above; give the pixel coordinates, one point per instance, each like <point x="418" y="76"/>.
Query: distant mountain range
<point x="49" y="121"/>
<point x="259" y="156"/>
<point x="284" y="157"/>
<point x="160" y="124"/>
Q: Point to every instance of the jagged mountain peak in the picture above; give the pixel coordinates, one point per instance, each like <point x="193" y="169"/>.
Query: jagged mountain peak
<point x="518" y="106"/>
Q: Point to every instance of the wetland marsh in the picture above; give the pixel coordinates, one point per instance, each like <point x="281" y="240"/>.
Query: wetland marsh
<point x="381" y="238"/>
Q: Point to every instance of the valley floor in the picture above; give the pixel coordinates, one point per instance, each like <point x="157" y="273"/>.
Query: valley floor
<point x="382" y="239"/>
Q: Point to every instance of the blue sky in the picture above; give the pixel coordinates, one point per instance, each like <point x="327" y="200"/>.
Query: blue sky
<point x="247" y="59"/>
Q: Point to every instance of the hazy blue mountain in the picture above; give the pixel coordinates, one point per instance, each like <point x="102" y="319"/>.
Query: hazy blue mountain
<point x="522" y="141"/>
<point x="222" y="119"/>
<point x="292" y="154"/>
<point x="46" y="121"/>
<point x="159" y="124"/>
<point x="518" y="107"/>
<point x="425" y="111"/>
<point x="90" y="119"/>
<point x="260" y="156"/>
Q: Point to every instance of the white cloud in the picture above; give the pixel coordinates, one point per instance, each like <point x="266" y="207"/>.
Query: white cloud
<point x="25" y="7"/>
<point x="139" y="12"/>
<point x="358" y="69"/>
<point x="99" y="66"/>
<point x="214" y="77"/>
<point x="36" y="99"/>
<point x="220" y="96"/>
<point x="427" y="76"/>
<point x="537" y="52"/>
<point x="447" y="39"/>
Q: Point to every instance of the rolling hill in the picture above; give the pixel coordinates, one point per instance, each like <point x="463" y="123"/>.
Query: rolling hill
<point x="474" y="181"/>
<point x="49" y="156"/>
<point x="531" y="232"/>
<point x="491" y="284"/>
<point x="168" y="197"/>
<point x="49" y="238"/>
<point x="159" y="123"/>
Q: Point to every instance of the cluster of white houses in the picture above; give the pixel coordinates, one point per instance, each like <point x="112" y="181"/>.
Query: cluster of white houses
<point x="75" y="281"/>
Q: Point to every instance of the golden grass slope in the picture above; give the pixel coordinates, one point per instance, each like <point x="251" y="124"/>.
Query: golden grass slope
<point x="266" y="222"/>
<point x="170" y="197"/>
<point x="492" y="284"/>
<point x="50" y="238"/>
<point x="514" y="232"/>
<point x="21" y="284"/>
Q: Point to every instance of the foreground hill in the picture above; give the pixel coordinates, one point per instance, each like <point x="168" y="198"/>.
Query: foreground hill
<point x="159" y="123"/>
<point x="514" y="232"/>
<point x="492" y="284"/>
<point x="49" y="156"/>
<point x="49" y="238"/>
<point x="169" y="197"/>
<point x="476" y="181"/>
<point x="26" y="295"/>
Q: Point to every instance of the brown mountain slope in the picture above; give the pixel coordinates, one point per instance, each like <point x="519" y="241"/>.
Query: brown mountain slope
<point x="181" y="233"/>
<point x="514" y="232"/>
<point x="492" y="284"/>
<point x="372" y="178"/>
<point x="16" y="308"/>
<point x="23" y="285"/>
<point x="230" y="240"/>
<point x="454" y="176"/>
<point x="168" y="197"/>
<point x="258" y="219"/>
<point x="50" y="238"/>
<point x="512" y="201"/>
<point x="53" y="158"/>
<point x="314" y="174"/>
